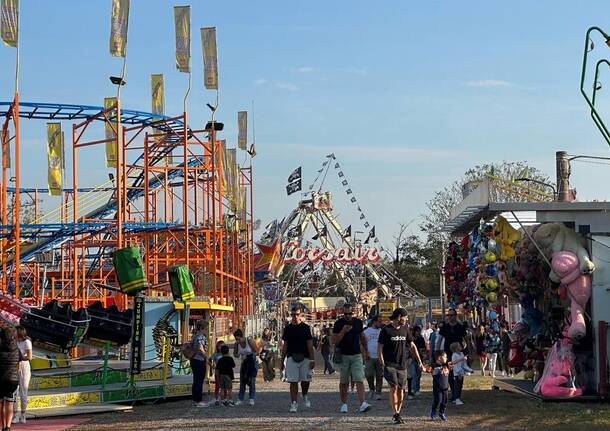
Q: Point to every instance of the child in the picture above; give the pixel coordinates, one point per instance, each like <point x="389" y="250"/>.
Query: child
<point x="494" y="346"/>
<point x="440" y="385"/>
<point x="214" y="361"/>
<point x="225" y="375"/>
<point x="460" y="369"/>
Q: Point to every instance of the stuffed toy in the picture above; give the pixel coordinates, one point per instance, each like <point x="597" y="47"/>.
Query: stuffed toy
<point x="506" y="237"/>
<point x="575" y="286"/>
<point x="555" y="237"/>
<point x="558" y="378"/>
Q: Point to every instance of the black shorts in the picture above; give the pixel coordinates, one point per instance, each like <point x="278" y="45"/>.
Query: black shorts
<point x="395" y="377"/>
<point x="7" y="391"/>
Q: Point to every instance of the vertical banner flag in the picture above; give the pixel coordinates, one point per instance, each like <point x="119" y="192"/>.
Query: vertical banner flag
<point x="242" y="130"/>
<point x="118" y="27"/>
<point x="9" y="20"/>
<point x="157" y="93"/>
<point x="54" y="157"/>
<point x="110" y="134"/>
<point x="182" y="20"/>
<point x="210" y="58"/>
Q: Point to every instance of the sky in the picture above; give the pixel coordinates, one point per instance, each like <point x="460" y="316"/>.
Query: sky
<point x="407" y="95"/>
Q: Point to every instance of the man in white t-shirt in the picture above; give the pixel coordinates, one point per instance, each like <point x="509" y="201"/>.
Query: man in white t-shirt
<point x="373" y="371"/>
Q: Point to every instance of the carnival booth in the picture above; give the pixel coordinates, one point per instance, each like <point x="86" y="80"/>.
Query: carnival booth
<point x="553" y="260"/>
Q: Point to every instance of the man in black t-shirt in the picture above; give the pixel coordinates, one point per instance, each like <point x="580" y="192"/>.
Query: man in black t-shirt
<point x="349" y="339"/>
<point x="297" y="351"/>
<point x="395" y="348"/>
<point x="451" y="332"/>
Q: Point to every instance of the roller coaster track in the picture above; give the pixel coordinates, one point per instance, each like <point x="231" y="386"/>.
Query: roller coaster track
<point x="58" y="233"/>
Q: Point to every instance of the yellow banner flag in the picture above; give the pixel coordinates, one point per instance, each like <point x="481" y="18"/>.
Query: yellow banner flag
<point x="242" y="130"/>
<point x="182" y="21"/>
<point x="157" y="93"/>
<point x="9" y="22"/>
<point x="210" y="58"/>
<point x="119" y="22"/>
<point x="109" y="130"/>
<point x="54" y="158"/>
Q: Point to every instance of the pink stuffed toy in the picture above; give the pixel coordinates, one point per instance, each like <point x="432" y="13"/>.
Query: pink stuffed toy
<point x="575" y="286"/>
<point x="558" y="378"/>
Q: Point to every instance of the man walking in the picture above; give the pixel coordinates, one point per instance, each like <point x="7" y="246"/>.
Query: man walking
<point x="451" y="332"/>
<point x="373" y="369"/>
<point x="395" y="348"/>
<point x="349" y="338"/>
<point x="298" y="352"/>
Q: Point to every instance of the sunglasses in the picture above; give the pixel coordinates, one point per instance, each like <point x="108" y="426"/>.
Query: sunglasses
<point x="451" y="315"/>
<point x="295" y="314"/>
<point x="348" y="314"/>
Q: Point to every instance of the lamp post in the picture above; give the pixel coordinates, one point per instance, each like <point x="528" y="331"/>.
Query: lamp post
<point x="591" y="102"/>
<point x="542" y="183"/>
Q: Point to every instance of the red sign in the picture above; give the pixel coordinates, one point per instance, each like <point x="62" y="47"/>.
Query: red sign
<point x="357" y="254"/>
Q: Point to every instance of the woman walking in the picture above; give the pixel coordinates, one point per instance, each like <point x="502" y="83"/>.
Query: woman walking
<point x="481" y="345"/>
<point x="24" y="344"/>
<point x="9" y="376"/>
<point x="199" y="343"/>
<point x="324" y="348"/>
<point x="246" y="349"/>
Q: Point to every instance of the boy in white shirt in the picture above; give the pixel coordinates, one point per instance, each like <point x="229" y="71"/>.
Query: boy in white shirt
<point x="373" y="371"/>
<point x="460" y="369"/>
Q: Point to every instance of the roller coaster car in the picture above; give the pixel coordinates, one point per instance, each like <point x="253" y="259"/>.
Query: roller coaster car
<point x="56" y="326"/>
<point x="108" y="324"/>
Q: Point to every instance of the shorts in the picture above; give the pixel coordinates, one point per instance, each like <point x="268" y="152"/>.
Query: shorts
<point x="226" y="382"/>
<point x="395" y="377"/>
<point x="8" y="390"/>
<point x="351" y="365"/>
<point x="297" y="371"/>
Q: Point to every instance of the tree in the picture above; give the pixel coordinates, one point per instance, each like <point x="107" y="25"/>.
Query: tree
<point x="439" y="207"/>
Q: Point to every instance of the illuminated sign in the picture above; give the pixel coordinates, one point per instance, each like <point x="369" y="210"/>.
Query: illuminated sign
<point x="357" y="254"/>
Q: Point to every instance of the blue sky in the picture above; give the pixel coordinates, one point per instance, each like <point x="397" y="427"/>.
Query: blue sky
<point x="408" y="95"/>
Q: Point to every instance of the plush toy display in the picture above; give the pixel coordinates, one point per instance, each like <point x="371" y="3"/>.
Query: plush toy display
<point x="559" y="372"/>
<point x="506" y="237"/>
<point x="576" y="287"/>
<point x="555" y="237"/>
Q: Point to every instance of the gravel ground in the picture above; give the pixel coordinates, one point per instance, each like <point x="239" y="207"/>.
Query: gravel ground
<point x="484" y="409"/>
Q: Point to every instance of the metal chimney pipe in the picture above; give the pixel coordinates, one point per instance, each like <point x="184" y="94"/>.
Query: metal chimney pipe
<point x="563" y="176"/>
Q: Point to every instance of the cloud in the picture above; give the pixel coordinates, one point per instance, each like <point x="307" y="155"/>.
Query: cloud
<point x="261" y="81"/>
<point x="304" y="69"/>
<point x="385" y="154"/>
<point x="360" y="71"/>
<point x="489" y="83"/>
<point x="283" y="85"/>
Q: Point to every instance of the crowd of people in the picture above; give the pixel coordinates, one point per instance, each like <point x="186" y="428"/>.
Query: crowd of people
<point x="373" y="352"/>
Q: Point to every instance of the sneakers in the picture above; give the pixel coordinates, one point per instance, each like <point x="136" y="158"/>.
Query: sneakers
<point x="410" y="396"/>
<point x="443" y="417"/>
<point x="417" y="394"/>
<point x="238" y="402"/>
<point x="22" y="420"/>
<point x="458" y="402"/>
<point x="343" y="408"/>
<point x="15" y="419"/>
<point x="396" y="419"/>
<point x="364" y="407"/>
<point x="371" y="394"/>
<point x="202" y="404"/>
<point x="307" y="402"/>
<point x="217" y="402"/>
<point x="231" y="403"/>
<point x="378" y="397"/>
<point x="294" y="407"/>
<point x="251" y="402"/>
<point x="432" y="414"/>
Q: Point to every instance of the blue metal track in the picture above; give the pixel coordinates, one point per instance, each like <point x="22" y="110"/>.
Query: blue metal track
<point x="49" y="230"/>
<point x="64" y="111"/>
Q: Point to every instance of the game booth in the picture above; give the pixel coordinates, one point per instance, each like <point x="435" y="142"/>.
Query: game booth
<point x="543" y="268"/>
